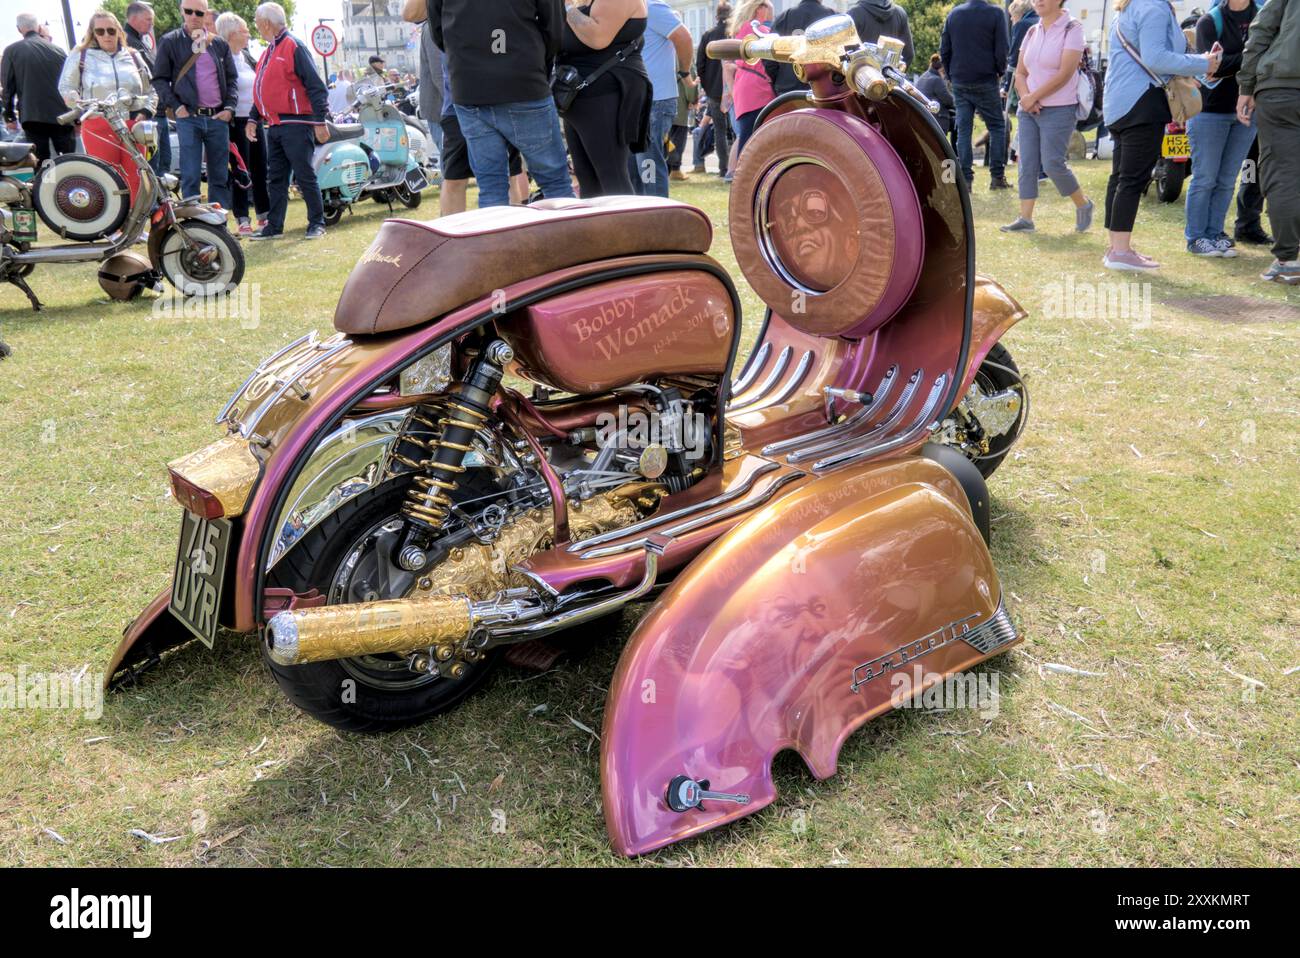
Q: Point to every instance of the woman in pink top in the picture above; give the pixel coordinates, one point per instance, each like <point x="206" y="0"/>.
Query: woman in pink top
<point x="1046" y="80"/>
<point x="751" y="90"/>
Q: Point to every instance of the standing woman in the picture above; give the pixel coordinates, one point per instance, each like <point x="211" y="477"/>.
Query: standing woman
<point x="1219" y="143"/>
<point x="1136" y="110"/>
<point x="751" y="90"/>
<point x="101" y="66"/>
<point x="608" y="120"/>
<point x="232" y="28"/>
<point x="1046" y="81"/>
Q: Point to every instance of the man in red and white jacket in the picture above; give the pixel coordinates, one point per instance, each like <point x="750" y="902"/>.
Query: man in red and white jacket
<point x="290" y="97"/>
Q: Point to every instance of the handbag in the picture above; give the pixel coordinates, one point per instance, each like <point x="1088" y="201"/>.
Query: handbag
<point x="1183" y="93"/>
<point x="567" y="82"/>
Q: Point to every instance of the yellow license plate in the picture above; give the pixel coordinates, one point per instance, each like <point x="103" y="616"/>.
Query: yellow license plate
<point x="1175" y="146"/>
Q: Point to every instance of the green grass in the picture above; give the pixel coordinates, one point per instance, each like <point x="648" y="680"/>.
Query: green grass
<point x="1146" y="528"/>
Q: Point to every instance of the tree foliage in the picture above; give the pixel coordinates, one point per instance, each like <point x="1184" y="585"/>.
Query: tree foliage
<point x="926" y="19"/>
<point x="167" y="13"/>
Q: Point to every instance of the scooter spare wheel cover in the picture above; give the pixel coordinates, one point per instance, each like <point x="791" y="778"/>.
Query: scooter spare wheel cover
<point x="81" y="198"/>
<point x="826" y="223"/>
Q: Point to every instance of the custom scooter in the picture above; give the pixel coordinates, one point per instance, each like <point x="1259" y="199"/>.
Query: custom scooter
<point x="384" y="154"/>
<point x="390" y="519"/>
<point x="86" y="201"/>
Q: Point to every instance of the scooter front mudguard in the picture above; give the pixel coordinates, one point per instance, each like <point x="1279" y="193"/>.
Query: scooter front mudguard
<point x="995" y="312"/>
<point x="822" y="610"/>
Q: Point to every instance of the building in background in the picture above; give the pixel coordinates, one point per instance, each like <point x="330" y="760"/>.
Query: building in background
<point x="376" y="26"/>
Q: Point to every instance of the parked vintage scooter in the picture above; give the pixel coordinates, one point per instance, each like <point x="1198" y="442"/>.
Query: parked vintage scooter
<point x="393" y="520"/>
<point x="382" y="155"/>
<point x="86" y="200"/>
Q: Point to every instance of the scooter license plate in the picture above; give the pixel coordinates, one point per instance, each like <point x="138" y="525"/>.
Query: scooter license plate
<point x="1175" y="147"/>
<point x="199" y="574"/>
<point x="416" y="180"/>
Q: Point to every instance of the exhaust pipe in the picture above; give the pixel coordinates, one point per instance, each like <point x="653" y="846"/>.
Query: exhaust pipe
<point x="321" y="633"/>
<point x="366" y="628"/>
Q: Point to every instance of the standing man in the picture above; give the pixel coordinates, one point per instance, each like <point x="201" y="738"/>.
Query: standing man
<point x="31" y="73"/>
<point x="499" y="58"/>
<point x="667" y="55"/>
<point x="198" y="89"/>
<point x="793" y="21"/>
<point x="974" y="48"/>
<point x="290" y="97"/>
<point x="710" y="74"/>
<point x="140" y="38"/>
<point x="1268" y="87"/>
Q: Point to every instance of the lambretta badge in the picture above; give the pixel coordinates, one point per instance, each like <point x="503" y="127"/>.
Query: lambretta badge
<point x="896" y="659"/>
<point x="375" y="254"/>
<point x="75" y="911"/>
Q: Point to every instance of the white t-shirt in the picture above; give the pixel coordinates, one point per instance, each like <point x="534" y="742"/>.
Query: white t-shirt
<point x="244" y="84"/>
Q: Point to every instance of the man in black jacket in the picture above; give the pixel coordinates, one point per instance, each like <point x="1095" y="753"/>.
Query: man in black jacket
<point x="884" y="18"/>
<point x="199" y="91"/>
<point x="499" y="57"/>
<point x="140" y="38"/>
<point x="793" y="21"/>
<point x="710" y="74"/>
<point x="973" y="48"/>
<point x="31" y="73"/>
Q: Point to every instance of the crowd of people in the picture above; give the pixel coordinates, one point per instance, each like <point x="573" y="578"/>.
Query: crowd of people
<point x="599" y="98"/>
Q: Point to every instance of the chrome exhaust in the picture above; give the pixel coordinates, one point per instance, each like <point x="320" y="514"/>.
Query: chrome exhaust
<point x="442" y="623"/>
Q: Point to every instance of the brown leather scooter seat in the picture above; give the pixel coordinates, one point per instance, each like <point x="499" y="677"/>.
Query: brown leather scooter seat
<point x="414" y="272"/>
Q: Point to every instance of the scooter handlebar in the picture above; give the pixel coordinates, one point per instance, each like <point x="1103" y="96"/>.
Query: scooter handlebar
<point x="72" y="116"/>
<point x="725" y="50"/>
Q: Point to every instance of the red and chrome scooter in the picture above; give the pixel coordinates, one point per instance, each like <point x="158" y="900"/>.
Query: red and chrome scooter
<point x="391" y="519"/>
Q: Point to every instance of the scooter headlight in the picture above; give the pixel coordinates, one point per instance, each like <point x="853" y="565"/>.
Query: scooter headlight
<point x="145" y="132"/>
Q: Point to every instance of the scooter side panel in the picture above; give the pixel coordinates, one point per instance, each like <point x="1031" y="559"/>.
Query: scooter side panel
<point x="787" y="633"/>
<point x="995" y="312"/>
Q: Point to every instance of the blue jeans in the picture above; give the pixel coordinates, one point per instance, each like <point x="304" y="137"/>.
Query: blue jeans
<point x="986" y="100"/>
<point x="161" y="161"/>
<point x="533" y="128"/>
<point x="202" y="136"/>
<point x="650" y="169"/>
<point x="1219" y="147"/>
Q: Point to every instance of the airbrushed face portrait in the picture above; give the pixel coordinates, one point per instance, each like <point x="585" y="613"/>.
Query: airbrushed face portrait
<point x="810" y="231"/>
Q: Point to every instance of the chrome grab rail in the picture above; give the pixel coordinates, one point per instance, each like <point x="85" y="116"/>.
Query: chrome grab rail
<point x="889" y="422"/>
<point x="796" y="442"/>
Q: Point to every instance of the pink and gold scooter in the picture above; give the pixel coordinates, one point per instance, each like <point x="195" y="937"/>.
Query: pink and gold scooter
<point x="528" y="418"/>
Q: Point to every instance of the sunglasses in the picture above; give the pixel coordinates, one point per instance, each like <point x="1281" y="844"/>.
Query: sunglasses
<point x="193" y="13"/>
<point x="105" y="31"/>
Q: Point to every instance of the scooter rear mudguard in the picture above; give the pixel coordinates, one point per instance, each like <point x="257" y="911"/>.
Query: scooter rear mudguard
<point x="791" y="631"/>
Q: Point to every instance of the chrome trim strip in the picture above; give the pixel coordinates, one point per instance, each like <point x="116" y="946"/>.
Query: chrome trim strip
<point x="902" y="439"/>
<point x="754" y="368"/>
<point x="701" y="520"/>
<point x="993" y="633"/>
<point x="795" y="380"/>
<point x="654" y="521"/>
<point x="778" y="370"/>
<point x="881" y="394"/>
<point x="888" y="423"/>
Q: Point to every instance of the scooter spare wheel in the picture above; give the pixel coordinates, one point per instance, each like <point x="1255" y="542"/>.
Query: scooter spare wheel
<point x="81" y="198"/>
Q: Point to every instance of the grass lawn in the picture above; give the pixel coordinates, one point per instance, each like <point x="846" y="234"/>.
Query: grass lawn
<point x="1146" y="529"/>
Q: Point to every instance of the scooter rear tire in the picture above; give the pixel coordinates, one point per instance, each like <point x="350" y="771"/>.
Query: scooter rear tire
<point x="336" y="692"/>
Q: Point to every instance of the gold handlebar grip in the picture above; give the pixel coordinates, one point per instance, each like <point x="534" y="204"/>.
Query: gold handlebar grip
<point x="725" y="50"/>
<point x="870" y="82"/>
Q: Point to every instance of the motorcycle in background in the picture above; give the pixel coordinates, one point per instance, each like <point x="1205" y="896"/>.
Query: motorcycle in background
<point x="390" y="519"/>
<point x="382" y="155"/>
<point x="86" y="201"/>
